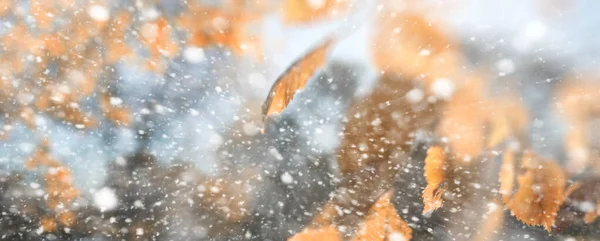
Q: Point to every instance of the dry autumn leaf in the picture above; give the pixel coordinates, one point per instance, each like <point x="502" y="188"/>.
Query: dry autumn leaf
<point x="409" y="44"/>
<point x="593" y="214"/>
<point x="435" y="165"/>
<point x="507" y="118"/>
<point x="583" y="197"/>
<point x="383" y="222"/>
<point x="327" y="233"/>
<point x="577" y="105"/>
<point x="306" y="11"/>
<point x="463" y="122"/>
<point x="5" y="6"/>
<point x="492" y="224"/>
<point x="59" y="188"/>
<point x="540" y="193"/>
<point x="225" y="25"/>
<point x="294" y="79"/>
<point x="507" y="175"/>
<point x="113" y="110"/>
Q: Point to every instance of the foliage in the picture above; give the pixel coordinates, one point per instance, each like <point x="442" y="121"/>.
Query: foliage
<point x="435" y="151"/>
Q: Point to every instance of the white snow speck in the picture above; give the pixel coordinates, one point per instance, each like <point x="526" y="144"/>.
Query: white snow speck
<point x="159" y="109"/>
<point x="139" y="231"/>
<point x="105" y="199"/>
<point x="115" y="101"/>
<point x="138" y="204"/>
<point x="273" y="151"/>
<point x="316" y="4"/>
<point x="535" y="30"/>
<point x="149" y="14"/>
<point x="492" y="207"/>
<point x="214" y="139"/>
<point x="194" y="55"/>
<point x="98" y="13"/>
<point x="395" y="236"/>
<point x="287" y="178"/>
<point x="121" y="161"/>
<point x="250" y="129"/>
<point x="326" y="137"/>
<point x="415" y="96"/>
<point x="257" y="80"/>
<point x="376" y="122"/>
<point x="579" y="155"/>
<point x="505" y="66"/>
<point x="443" y="88"/>
<point x="531" y="34"/>
<point x="585" y="207"/>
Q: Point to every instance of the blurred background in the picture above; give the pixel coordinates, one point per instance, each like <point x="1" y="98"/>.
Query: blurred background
<point x="141" y="119"/>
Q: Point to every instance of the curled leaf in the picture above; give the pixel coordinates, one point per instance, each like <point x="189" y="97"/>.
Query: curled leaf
<point x="434" y="174"/>
<point x="294" y="78"/>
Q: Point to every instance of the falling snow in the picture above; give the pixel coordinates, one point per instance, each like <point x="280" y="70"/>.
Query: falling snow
<point x="150" y="120"/>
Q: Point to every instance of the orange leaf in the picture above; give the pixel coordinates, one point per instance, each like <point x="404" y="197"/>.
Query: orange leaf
<point x="592" y="215"/>
<point x="577" y="104"/>
<point x="117" y="113"/>
<point x="327" y="233"/>
<point x="508" y="118"/>
<point x="434" y="174"/>
<point x="382" y="222"/>
<point x="48" y="224"/>
<point x="294" y="78"/>
<point x="409" y="44"/>
<point x="305" y="11"/>
<point x="507" y="175"/>
<point x="464" y="121"/>
<point x="541" y="192"/>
